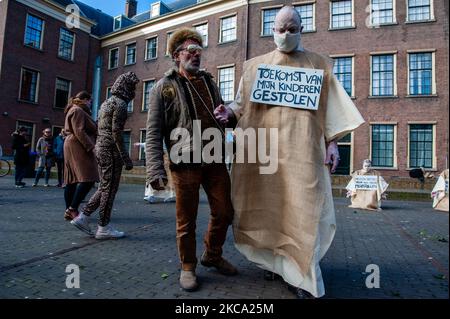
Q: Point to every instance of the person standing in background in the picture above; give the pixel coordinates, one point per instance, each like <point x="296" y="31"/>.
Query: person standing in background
<point x="58" y="146"/>
<point x="21" y="148"/>
<point x="44" y="149"/>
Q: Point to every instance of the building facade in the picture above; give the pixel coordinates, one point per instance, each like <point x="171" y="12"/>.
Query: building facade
<point x="391" y="56"/>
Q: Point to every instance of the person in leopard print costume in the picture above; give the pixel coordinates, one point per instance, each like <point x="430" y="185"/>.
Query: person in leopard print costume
<point x="111" y="156"/>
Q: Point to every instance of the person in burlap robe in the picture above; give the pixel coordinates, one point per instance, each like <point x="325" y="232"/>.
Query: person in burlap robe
<point x="285" y="222"/>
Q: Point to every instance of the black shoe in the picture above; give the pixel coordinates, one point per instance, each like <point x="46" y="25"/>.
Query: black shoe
<point x="270" y="276"/>
<point x="300" y="293"/>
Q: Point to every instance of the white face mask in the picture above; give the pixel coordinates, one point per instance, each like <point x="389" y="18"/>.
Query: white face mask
<point x="286" y="42"/>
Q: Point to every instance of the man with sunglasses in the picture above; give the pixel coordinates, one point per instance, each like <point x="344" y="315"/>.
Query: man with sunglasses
<point x="185" y="97"/>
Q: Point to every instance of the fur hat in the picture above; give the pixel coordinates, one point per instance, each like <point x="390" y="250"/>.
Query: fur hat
<point x="181" y="35"/>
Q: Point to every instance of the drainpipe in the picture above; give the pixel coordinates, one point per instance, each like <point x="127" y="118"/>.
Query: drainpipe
<point x="96" y="87"/>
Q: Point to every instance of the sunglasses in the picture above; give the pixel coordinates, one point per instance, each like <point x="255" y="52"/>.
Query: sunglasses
<point x="192" y="49"/>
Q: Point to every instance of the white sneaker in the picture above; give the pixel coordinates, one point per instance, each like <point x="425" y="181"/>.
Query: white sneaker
<point x="108" y="232"/>
<point x="82" y="223"/>
<point x="170" y="199"/>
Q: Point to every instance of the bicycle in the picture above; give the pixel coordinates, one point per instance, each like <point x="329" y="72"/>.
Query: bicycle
<point x="5" y="167"/>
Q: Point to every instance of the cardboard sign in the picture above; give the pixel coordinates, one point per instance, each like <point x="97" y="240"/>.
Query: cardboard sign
<point x="366" y="182"/>
<point x="287" y="86"/>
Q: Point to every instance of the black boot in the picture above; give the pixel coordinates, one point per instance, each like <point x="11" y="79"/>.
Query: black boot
<point x="300" y="293"/>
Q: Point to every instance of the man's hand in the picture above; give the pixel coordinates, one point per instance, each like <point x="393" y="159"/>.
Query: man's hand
<point x="223" y="113"/>
<point x="159" y="184"/>
<point x="128" y="164"/>
<point x="332" y="157"/>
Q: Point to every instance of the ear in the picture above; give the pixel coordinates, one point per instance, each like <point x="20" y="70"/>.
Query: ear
<point x="176" y="56"/>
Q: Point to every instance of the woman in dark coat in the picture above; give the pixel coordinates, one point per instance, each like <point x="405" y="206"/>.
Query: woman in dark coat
<point x="80" y="166"/>
<point x="21" y="148"/>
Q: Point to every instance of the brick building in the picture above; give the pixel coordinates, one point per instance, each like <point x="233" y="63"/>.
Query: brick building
<point x="390" y="55"/>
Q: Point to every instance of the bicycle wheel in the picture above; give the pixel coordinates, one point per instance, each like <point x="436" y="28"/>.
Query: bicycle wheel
<point x="5" y="168"/>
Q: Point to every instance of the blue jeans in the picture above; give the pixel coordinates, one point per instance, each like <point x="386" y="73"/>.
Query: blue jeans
<point x="20" y="172"/>
<point x="39" y="172"/>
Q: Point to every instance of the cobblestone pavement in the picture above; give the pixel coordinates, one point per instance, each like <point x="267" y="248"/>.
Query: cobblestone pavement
<point x="408" y="241"/>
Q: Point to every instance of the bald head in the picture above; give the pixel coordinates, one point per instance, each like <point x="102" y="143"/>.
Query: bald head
<point x="287" y="19"/>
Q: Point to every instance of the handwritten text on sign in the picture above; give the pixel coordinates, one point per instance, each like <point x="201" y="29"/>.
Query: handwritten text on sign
<point x="366" y="182"/>
<point x="287" y="86"/>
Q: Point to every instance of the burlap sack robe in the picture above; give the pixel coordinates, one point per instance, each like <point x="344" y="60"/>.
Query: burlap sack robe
<point x="367" y="199"/>
<point x="440" y="192"/>
<point x="285" y="222"/>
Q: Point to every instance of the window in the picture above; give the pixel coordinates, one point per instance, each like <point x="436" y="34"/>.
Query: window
<point x="62" y="92"/>
<point x="382" y="12"/>
<point x="306" y="12"/>
<point x="142" y="149"/>
<point x="151" y="48"/>
<point x="227" y="29"/>
<point x="66" y="42"/>
<point x="383" y="75"/>
<point x="420" y="10"/>
<point x="343" y="67"/>
<point x="29" y="85"/>
<point x="130" y="57"/>
<point x="113" y="58"/>
<point x="108" y="92"/>
<point x="383" y="145"/>
<point x="268" y="20"/>
<point x="34" y="32"/>
<point x="341" y="14"/>
<point x="421" y="73"/>
<point x="148" y="85"/>
<point x="156" y="9"/>
<point x="117" y="23"/>
<point x="130" y="106"/>
<point x="30" y="131"/>
<point x="127" y="141"/>
<point x="203" y="30"/>
<point x="169" y="34"/>
<point x="226" y="83"/>
<point x="421" y="145"/>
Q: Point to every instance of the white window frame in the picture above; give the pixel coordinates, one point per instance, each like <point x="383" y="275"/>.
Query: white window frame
<point x="114" y="22"/>
<point x="205" y="45"/>
<point x="395" y="92"/>
<point x="108" y="88"/>
<point x="433" y="124"/>
<point x="168" y="35"/>
<point x="142" y="141"/>
<point x="352" y="56"/>
<point x="153" y="5"/>
<point x="70" y="91"/>
<point x="126" y="53"/>
<point x="331" y="16"/>
<point x="227" y="66"/>
<point x="147" y="40"/>
<point x="262" y="19"/>
<point x="41" y="45"/>
<point x="143" y="92"/>
<point x="220" y="27"/>
<point x="433" y="71"/>
<point x="394" y="15"/>
<point x="36" y="101"/>
<point x="304" y="3"/>
<point x="109" y="58"/>
<point x="395" y="158"/>
<point x="131" y="140"/>
<point x="432" y="16"/>
<point x="73" y="44"/>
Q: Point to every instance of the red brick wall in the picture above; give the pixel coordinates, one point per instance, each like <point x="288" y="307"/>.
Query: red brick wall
<point x="361" y="41"/>
<point x="16" y="55"/>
